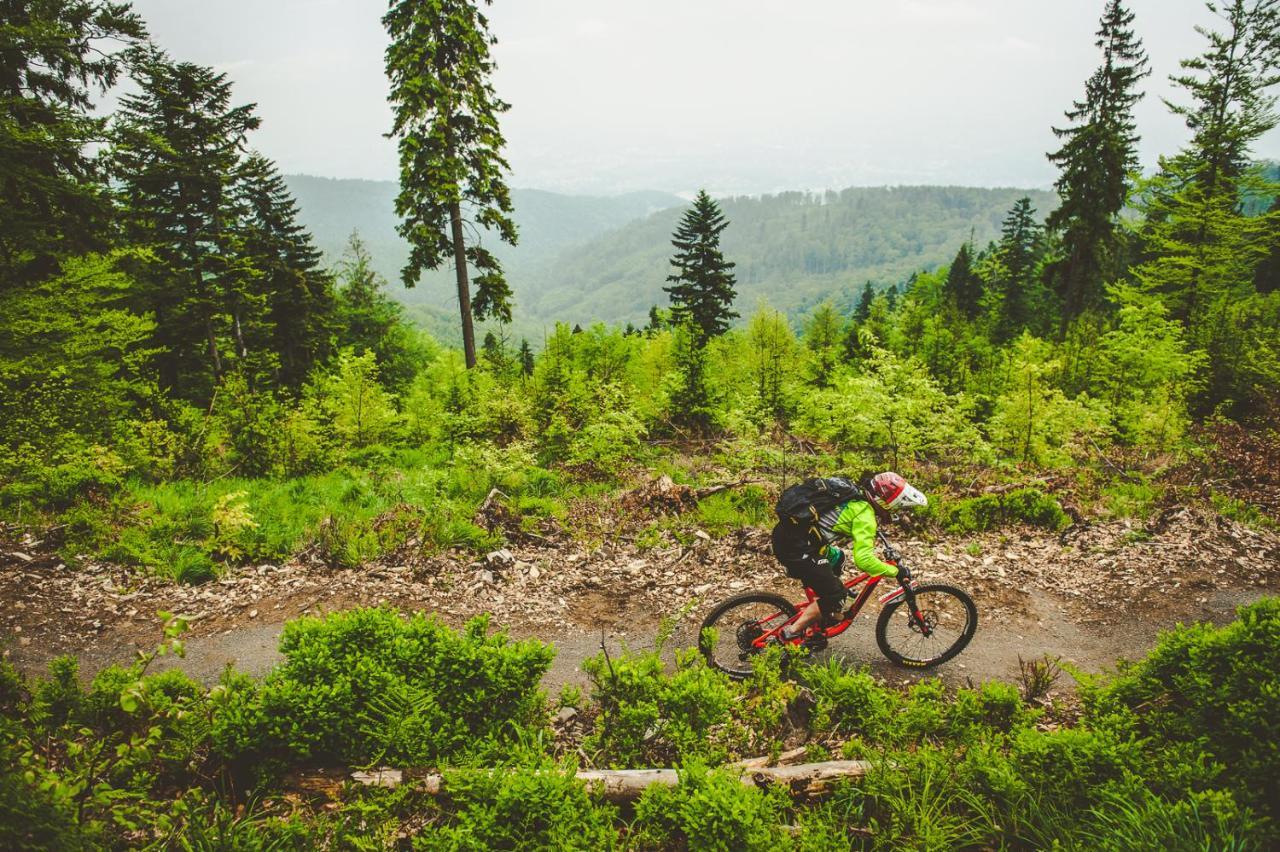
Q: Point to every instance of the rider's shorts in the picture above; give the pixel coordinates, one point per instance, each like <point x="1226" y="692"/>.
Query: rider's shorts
<point x="801" y="554"/>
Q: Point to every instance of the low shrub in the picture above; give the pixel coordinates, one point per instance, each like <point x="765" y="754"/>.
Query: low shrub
<point x="1205" y="707"/>
<point x="1021" y="506"/>
<point x="709" y="810"/>
<point x="370" y="685"/>
<point x="538" y="806"/>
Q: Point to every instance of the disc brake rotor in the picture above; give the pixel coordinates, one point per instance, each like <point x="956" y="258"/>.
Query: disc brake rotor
<point x="748" y="632"/>
<point x="930" y="621"/>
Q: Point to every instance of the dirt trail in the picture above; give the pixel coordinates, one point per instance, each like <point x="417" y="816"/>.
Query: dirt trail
<point x="1094" y="595"/>
<point x="994" y="653"/>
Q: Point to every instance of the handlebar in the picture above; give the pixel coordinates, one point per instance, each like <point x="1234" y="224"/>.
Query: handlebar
<point x="891" y="553"/>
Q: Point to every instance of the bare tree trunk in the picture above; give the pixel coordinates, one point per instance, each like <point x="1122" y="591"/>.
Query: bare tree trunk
<point x="806" y="781"/>
<point x="464" y="287"/>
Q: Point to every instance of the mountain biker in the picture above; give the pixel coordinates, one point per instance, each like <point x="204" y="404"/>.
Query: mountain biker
<point x="808" y="552"/>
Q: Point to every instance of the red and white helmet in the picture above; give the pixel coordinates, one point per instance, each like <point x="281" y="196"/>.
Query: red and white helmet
<point x="891" y="491"/>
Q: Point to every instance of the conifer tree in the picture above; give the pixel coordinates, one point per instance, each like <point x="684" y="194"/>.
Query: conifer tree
<point x="299" y="297"/>
<point x="1018" y="254"/>
<point x="1201" y="246"/>
<point x="53" y="199"/>
<point x="1098" y="154"/>
<point x="963" y="286"/>
<point x="702" y="288"/>
<point x="824" y="337"/>
<point x="863" y="310"/>
<point x="175" y="153"/>
<point x="526" y="357"/>
<point x="451" y="161"/>
<point x="1203" y="252"/>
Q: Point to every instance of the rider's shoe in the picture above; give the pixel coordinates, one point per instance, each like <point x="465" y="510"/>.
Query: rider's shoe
<point x="816" y="640"/>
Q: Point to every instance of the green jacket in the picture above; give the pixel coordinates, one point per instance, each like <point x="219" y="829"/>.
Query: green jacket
<point x="856" y="521"/>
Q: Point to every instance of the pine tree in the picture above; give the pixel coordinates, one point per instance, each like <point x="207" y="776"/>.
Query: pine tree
<point x="299" y="296"/>
<point x="702" y="288"/>
<point x="824" y="337"/>
<point x="526" y="357"/>
<point x="446" y="119"/>
<point x="1018" y="254"/>
<point x="1200" y="245"/>
<point x="1095" y="161"/>
<point x="175" y="153"/>
<point x="53" y="199"/>
<point x="863" y="310"/>
<point x="658" y="319"/>
<point x="963" y="286"/>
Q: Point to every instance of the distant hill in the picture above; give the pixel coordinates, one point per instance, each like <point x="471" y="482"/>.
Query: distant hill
<point x="548" y="222"/>
<point x="794" y="250"/>
<point x="583" y="258"/>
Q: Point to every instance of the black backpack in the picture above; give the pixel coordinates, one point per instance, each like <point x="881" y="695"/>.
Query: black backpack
<point x="803" y="503"/>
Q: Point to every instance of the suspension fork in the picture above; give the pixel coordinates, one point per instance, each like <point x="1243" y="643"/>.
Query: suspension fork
<point x="907" y="591"/>
<point x="915" y="615"/>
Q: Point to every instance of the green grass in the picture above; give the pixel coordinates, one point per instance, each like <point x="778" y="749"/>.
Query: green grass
<point x="351" y="514"/>
<point x="1245" y="513"/>
<point x="1131" y="499"/>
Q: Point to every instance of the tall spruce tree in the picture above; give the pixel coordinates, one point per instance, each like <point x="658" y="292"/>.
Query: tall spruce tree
<point x="963" y="286"/>
<point x="176" y="150"/>
<point x="53" y="199"/>
<point x="863" y="309"/>
<point x="299" y="294"/>
<point x="702" y="287"/>
<point x="451" y="161"/>
<point x="1097" y="157"/>
<point x="1018" y="252"/>
<point x="1201" y="246"/>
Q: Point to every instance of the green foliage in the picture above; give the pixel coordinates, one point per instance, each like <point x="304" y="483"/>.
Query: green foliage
<point x="370" y="685"/>
<point x="1126" y="499"/>
<point x="989" y="511"/>
<point x="708" y="810"/>
<point x="1209" y="692"/>
<point x="540" y="806"/>
<point x="1033" y="420"/>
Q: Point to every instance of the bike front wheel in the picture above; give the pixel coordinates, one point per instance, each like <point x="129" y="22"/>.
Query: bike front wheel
<point x="950" y="619"/>
<point x="729" y="633"/>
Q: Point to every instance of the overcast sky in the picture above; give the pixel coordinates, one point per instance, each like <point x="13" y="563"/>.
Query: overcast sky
<point x="740" y="96"/>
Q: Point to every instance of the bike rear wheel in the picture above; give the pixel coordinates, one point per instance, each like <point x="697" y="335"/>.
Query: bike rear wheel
<point x="949" y="613"/>
<point x="729" y="631"/>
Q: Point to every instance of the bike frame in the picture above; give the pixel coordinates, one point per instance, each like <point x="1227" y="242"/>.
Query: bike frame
<point x="849" y="614"/>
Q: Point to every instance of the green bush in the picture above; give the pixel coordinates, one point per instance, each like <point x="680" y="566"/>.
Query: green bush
<point x="736" y="508"/>
<point x="370" y="685"/>
<point x="852" y="701"/>
<point x="648" y="717"/>
<point x="1208" y="692"/>
<point x="978" y="514"/>
<point x="709" y="810"/>
<point x="540" y="806"/>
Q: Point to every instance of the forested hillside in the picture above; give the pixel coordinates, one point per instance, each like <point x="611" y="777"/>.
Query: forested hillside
<point x="216" y="438"/>
<point x="582" y="259"/>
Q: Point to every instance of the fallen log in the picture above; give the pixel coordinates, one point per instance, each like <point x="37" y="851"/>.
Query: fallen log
<point x="805" y="781"/>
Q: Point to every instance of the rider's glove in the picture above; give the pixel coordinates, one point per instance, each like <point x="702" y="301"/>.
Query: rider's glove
<point x="835" y="558"/>
<point x="904" y="574"/>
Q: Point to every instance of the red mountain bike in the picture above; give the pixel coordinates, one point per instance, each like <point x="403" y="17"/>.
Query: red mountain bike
<point x="935" y="625"/>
